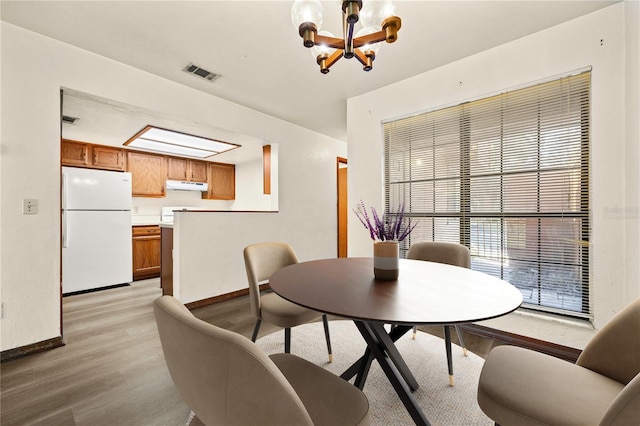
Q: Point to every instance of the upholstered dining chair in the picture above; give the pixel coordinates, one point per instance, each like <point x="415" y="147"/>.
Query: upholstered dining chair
<point x="227" y="380"/>
<point x="451" y="254"/>
<point x="261" y="260"/>
<point x="525" y="388"/>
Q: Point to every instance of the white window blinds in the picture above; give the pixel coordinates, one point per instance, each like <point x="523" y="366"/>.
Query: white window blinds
<point x="507" y="176"/>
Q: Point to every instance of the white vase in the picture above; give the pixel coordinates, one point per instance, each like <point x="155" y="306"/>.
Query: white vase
<point x="386" y="255"/>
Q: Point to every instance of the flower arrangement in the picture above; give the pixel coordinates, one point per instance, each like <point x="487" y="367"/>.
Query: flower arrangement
<point x="390" y="228"/>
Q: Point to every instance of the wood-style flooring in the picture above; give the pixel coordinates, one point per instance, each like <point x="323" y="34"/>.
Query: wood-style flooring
<point x="111" y="370"/>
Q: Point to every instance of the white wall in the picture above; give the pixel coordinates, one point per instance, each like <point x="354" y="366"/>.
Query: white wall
<point x="632" y="154"/>
<point x="614" y="134"/>
<point x="34" y="68"/>
<point x="207" y="247"/>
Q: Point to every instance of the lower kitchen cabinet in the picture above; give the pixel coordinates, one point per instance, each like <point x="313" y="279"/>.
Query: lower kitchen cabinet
<point x="146" y="252"/>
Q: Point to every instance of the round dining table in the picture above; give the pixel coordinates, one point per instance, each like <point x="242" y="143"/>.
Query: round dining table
<point x="425" y="293"/>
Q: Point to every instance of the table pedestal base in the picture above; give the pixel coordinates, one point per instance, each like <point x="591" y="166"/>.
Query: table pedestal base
<point x="380" y="346"/>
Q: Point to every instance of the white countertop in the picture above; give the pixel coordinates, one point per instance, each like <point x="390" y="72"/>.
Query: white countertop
<point x="140" y="220"/>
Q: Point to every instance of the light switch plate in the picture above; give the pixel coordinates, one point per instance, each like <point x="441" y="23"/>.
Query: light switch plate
<point x="29" y="206"/>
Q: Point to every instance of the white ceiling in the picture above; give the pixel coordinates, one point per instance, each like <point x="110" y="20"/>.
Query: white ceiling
<point x="260" y="56"/>
<point x="107" y="122"/>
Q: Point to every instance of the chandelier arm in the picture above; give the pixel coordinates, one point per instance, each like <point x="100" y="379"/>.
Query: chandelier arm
<point x="366" y="59"/>
<point x="335" y="57"/>
<point x="361" y="57"/>
<point x="332" y="42"/>
<point x="369" y="39"/>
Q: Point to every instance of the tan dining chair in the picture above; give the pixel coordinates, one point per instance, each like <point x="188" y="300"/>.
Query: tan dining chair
<point x="450" y="254"/>
<point x="522" y="387"/>
<point x="225" y="379"/>
<point x="262" y="260"/>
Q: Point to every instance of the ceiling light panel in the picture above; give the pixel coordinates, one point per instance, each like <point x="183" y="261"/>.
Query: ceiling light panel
<point x="177" y="143"/>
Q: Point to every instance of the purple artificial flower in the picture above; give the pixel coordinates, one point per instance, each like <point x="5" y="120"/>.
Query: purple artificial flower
<point x="390" y="228"/>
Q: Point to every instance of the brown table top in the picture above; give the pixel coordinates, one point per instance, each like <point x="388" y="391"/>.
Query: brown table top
<point x="425" y="292"/>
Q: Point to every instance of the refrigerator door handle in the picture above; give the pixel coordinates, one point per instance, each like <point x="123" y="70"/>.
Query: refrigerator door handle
<point x="64" y="211"/>
<point x="65" y="236"/>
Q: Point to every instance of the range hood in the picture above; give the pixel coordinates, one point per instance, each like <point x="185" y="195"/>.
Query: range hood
<point x="187" y="186"/>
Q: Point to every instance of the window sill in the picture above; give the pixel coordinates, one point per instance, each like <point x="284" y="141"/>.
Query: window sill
<point x="573" y="333"/>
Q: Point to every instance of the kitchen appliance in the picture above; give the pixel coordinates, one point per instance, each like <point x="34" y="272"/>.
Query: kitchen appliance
<point x="96" y="229"/>
<point x="166" y="215"/>
<point x="187" y="186"/>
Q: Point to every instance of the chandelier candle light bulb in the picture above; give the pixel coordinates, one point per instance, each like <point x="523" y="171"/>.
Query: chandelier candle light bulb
<point x="377" y="17"/>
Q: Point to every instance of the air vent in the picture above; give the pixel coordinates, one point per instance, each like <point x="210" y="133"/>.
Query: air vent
<point x="67" y="119"/>
<point x="200" y="72"/>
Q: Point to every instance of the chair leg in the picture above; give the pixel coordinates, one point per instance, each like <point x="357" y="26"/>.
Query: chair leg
<point x="460" y="339"/>
<point x="287" y="340"/>
<point x="325" y="322"/>
<point x="254" y="336"/>
<point x="447" y="344"/>
<point x="415" y="331"/>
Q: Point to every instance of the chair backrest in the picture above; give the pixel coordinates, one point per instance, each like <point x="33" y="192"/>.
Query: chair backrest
<point x="449" y="253"/>
<point x="261" y="260"/>
<point x="625" y="409"/>
<point x="615" y="349"/>
<point x="223" y="376"/>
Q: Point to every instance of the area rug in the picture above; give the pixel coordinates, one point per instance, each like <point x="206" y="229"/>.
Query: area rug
<point x="442" y="404"/>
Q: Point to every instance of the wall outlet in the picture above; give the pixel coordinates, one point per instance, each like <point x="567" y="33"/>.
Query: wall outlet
<point x="29" y="206"/>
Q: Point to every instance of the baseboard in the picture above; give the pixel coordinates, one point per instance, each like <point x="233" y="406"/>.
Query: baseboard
<point x="503" y="337"/>
<point x="221" y="298"/>
<point x="16" y="353"/>
<point x="92" y="290"/>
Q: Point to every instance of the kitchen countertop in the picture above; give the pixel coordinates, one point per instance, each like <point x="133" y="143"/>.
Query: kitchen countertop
<point x="145" y="220"/>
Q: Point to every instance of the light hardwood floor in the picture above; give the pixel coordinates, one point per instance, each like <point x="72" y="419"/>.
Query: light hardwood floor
<point x="111" y="370"/>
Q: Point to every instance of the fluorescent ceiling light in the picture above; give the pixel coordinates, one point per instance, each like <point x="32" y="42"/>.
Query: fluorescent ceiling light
<point x="177" y="143"/>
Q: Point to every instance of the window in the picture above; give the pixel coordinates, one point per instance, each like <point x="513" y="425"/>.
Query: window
<point x="507" y="176"/>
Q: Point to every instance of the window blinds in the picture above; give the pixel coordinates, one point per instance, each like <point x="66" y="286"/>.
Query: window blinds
<point x="507" y="176"/>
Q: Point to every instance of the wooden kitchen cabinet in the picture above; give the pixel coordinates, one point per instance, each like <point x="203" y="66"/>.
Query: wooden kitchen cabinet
<point x="197" y="171"/>
<point x="222" y="182"/>
<point x="74" y="153"/>
<point x="83" y="154"/>
<point x="186" y="170"/>
<point x="177" y="168"/>
<point x="104" y="157"/>
<point x="148" y="175"/>
<point x="146" y="252"/>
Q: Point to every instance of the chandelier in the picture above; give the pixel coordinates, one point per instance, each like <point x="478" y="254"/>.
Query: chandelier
<point x="378" y="21"/>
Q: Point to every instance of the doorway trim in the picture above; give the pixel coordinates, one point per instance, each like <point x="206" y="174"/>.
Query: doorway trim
<point x="342" y="206"/>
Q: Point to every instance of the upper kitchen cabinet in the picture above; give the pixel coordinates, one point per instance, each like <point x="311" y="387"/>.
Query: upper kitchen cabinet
<point x="82" y="154"/>
<point x="186" y="170"/>
<point x="74" y="153"/>
<point x="222" y="182"/>
<point x="197" y="171"/>
<point x="177" y="168"/>
<point x="105" y="157"/>
<point x="147" y="174"/>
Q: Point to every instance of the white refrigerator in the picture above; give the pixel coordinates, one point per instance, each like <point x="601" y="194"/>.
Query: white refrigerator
<point x="96" y="229"/>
